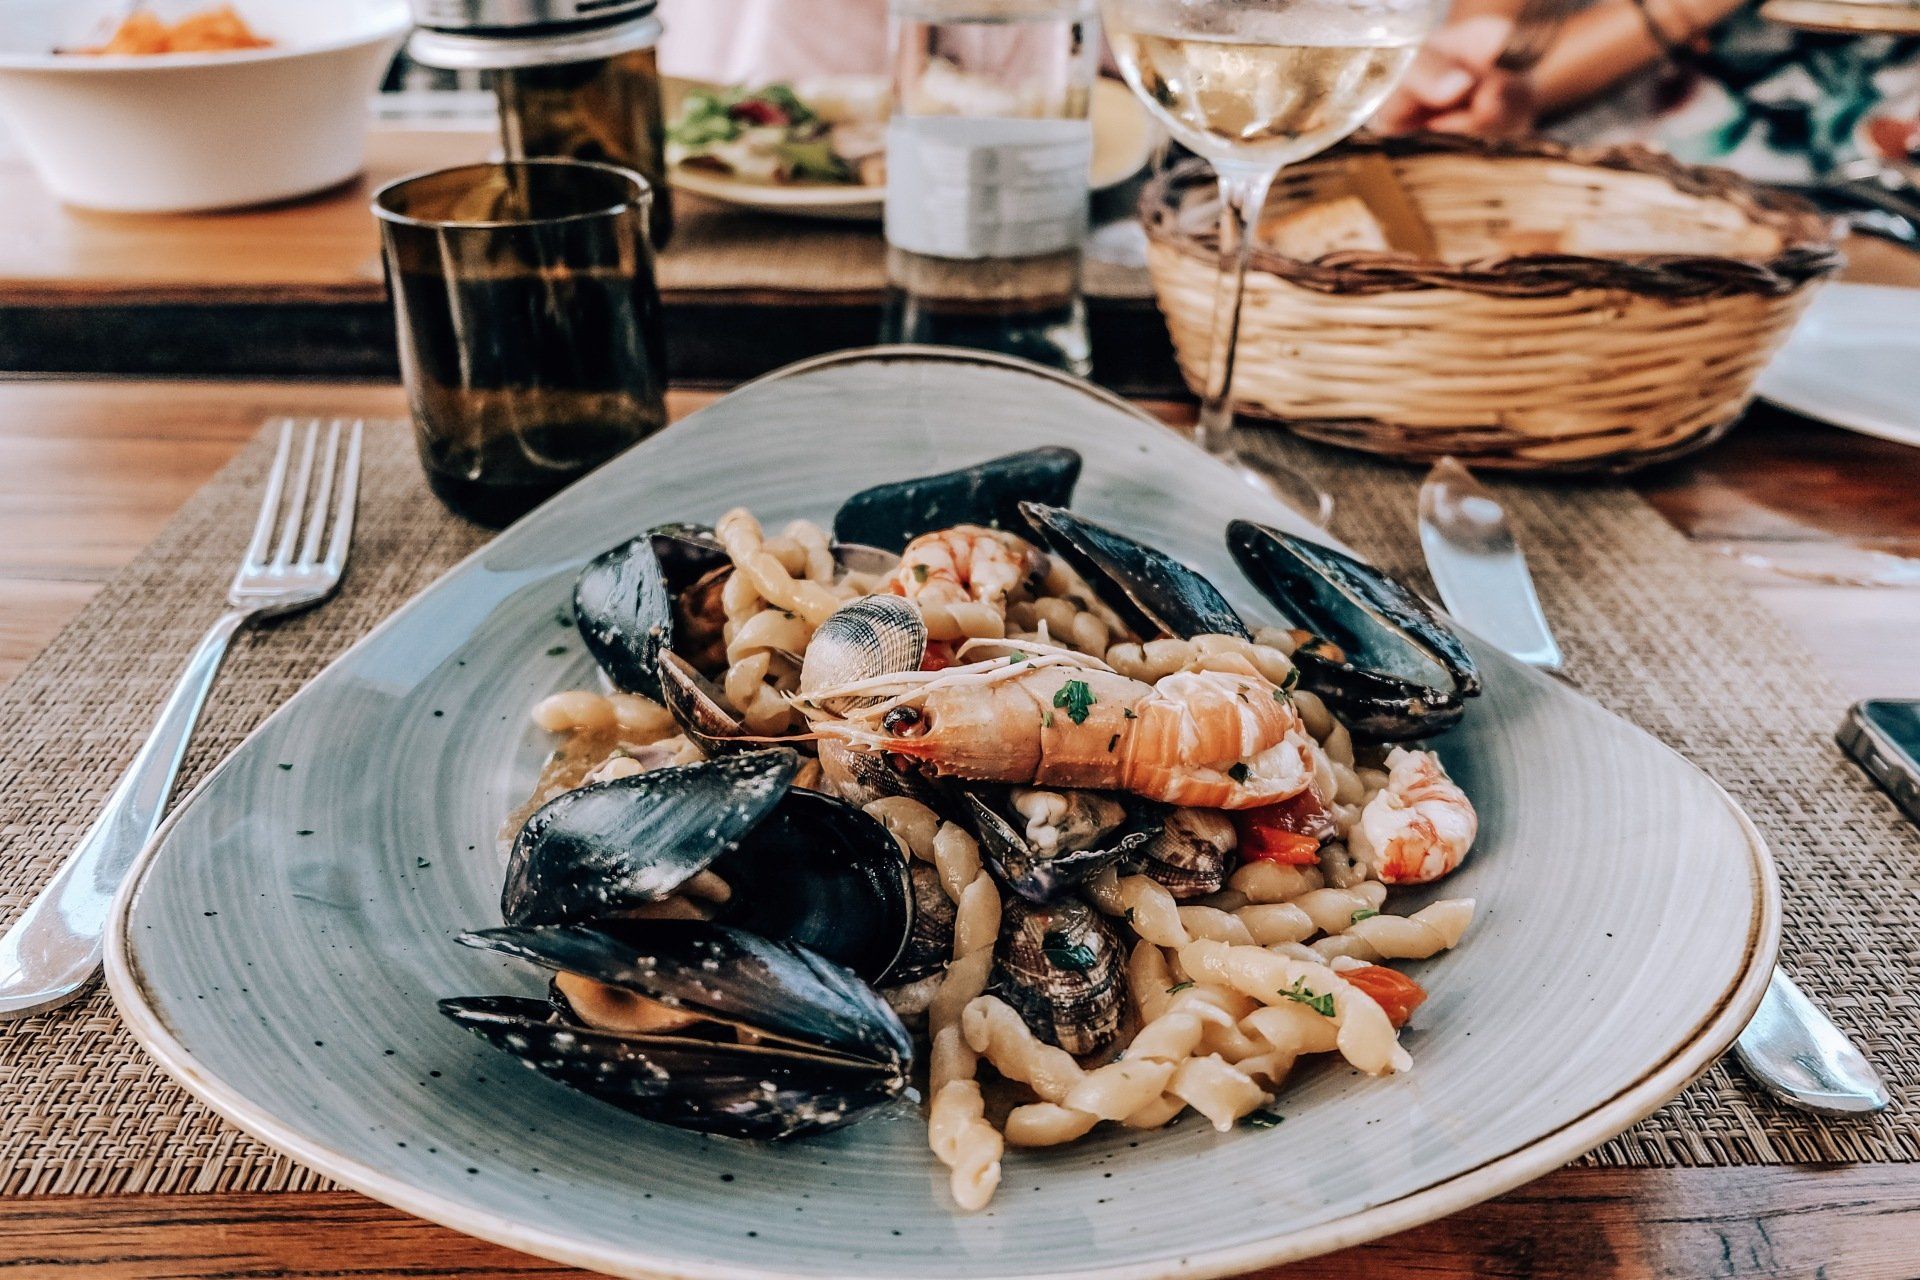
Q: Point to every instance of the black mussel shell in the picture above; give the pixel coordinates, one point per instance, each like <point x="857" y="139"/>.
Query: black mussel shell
<point x="699" y="708"/>
<point x="820" y="873"/>
<point x="890" y="516"/>
<point x="778" y="990"/>
<point x="623" y="600"/>
<point x="1153" y="593"/>
<point x="803" y="867"/>
<point x="1061" y="968"/>
<point x="605" y="849"/>
<point x="1040" y="876"/>
<point x="737" y="1091"/>
<point x="1406" y="674"/>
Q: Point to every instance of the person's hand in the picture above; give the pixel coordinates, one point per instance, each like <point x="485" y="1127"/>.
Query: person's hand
<point x="1453" y="86"/>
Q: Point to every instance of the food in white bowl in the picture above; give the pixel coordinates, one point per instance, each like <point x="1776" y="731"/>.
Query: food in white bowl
<point x="182" y="131"/>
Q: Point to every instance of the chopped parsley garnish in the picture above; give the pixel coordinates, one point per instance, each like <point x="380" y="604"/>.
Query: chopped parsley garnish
<point x="556" y="651"/>
<point x="1292" y="681"/>
<point x="1018" y="658"/>
<point x="920" y="573"/>
<point x="1128" y="713"/>
<point x="1063" y="951"/>
<point x="1320" y="1002"/>
<point x="1129" y="916"/>
<point x="1178" y="987"/>
<point x="1265" y="1118"/>
<point x="1364" y="913"/>
<point x="1046" y="720"/>
<point x="1113" y="742"/>
<point x="1076" y="697"/>
<point x="1238" y="772"/>
<point x="1280" y="693"/>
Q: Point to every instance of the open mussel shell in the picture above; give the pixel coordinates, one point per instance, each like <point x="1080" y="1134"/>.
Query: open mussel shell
<point x="820" y="1048"/>
<point x="623" y="601"/>
<point x="1041" y="875"/>
<point x="988" y="493"/>
<point x="1061" y="968"/>
<point x="700" y="709"/>
<point x="1153" y="593"/>
<point x="1405" y="675"/>
<point x="801" y="867"/>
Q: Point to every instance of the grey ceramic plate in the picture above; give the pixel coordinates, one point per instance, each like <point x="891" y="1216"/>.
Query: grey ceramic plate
<point x="1628" y="917"/>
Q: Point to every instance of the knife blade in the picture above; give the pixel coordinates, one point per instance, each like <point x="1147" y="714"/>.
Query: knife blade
<point x="1479" y="567"/>
<point x="1791" y="1047"/>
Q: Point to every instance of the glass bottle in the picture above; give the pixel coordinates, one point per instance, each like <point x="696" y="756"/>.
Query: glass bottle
<point x="988" y="152"/>
<point x="575" y="79"/>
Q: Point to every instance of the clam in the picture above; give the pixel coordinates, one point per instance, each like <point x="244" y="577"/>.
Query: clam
<point x="1191" y="853"/>
<point x="1040" y="841"/>
<point x="1153" y="593"/>
<point x="1395" y="671"/>
<point x="987" y="493"/>
<point x="1061" y="968"/>
<point x="696" y="1025"/>
<point x="791" y="865"/>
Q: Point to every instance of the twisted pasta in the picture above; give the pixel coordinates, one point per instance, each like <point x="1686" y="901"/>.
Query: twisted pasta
<point x="1426" y="932"/>
<point x="957" y="1128"/>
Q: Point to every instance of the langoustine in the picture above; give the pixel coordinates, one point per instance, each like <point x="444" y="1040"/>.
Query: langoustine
<point x="1222" y="737"/>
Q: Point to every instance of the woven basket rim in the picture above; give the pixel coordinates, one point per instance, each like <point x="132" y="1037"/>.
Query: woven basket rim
<point x="1808" y="251"/>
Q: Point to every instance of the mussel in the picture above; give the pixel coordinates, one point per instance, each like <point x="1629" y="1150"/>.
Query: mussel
<point x="1061" y="967"/>
<point x="1399" y="673"/>
<point x="988" y="493"/>
<point x="696" y="1025"/>
<point x="1040" y="841"/>
<point x="797" y="866"/>
<point x="1153" y="593"/>
<point x="625" y="600"/>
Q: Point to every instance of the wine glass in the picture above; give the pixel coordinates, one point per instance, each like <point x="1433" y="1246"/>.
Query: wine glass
<point x="1254" y="85"/>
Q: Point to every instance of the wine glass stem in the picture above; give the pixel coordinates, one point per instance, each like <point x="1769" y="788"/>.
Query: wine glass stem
<point x="1242" y="196"/>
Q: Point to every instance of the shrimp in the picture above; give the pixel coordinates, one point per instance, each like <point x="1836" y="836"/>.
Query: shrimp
<point x="1419" y="826"/>
<point x="960" y="578"/>
<point x="1212" y="738"/>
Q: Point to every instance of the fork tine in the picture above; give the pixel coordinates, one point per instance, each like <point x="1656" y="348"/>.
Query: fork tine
<point x="297" y="501"/>
<point x="323" y="500"/>
<point x="270" y="500"/>
<point x="349" y="495"/>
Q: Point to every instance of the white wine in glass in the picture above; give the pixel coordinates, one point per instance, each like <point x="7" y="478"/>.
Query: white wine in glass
<point x="1253" y="86"/>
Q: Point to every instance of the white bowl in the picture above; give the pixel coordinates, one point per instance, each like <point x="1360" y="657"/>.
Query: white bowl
<point x="183" y="131"/>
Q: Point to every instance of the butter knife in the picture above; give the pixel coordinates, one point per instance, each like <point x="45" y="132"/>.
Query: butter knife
<point x="1792" y="1048"/>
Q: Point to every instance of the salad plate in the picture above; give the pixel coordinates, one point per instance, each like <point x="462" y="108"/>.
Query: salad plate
<point x="282" y="943"/>
<point x="1123" y="141"/>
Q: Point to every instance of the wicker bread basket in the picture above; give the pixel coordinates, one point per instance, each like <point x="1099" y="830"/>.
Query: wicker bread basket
<point x="1539" y="361"/>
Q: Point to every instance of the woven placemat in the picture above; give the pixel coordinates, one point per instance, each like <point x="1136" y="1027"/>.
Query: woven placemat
<point x="1650" y="629"/>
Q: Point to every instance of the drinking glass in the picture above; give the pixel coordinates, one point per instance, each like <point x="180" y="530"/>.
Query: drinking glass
<point x="1253" y="86"/>
<point x="529" y="325"/>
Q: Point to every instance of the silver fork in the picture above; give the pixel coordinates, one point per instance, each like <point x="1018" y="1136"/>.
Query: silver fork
<point x="52" y="952"/>
<point x="1534" y="28"/>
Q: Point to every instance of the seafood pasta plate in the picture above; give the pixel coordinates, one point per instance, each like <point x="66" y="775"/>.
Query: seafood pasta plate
<point x="919" y="817"/>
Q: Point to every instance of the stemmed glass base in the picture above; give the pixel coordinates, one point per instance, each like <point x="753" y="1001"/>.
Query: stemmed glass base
<point x="1243" y="194"/>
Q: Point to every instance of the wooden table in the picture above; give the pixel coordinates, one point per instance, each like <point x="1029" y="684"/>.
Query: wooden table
<point x="296" y="288"/>
<point x="90" y="470"/>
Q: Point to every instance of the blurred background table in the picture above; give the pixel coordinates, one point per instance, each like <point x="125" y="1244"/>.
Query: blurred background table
<point x="282" y="310"/>
<point x="84" y="292"/>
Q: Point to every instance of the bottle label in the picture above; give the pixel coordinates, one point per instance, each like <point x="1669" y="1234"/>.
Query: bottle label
<point x="970" y="187"/>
